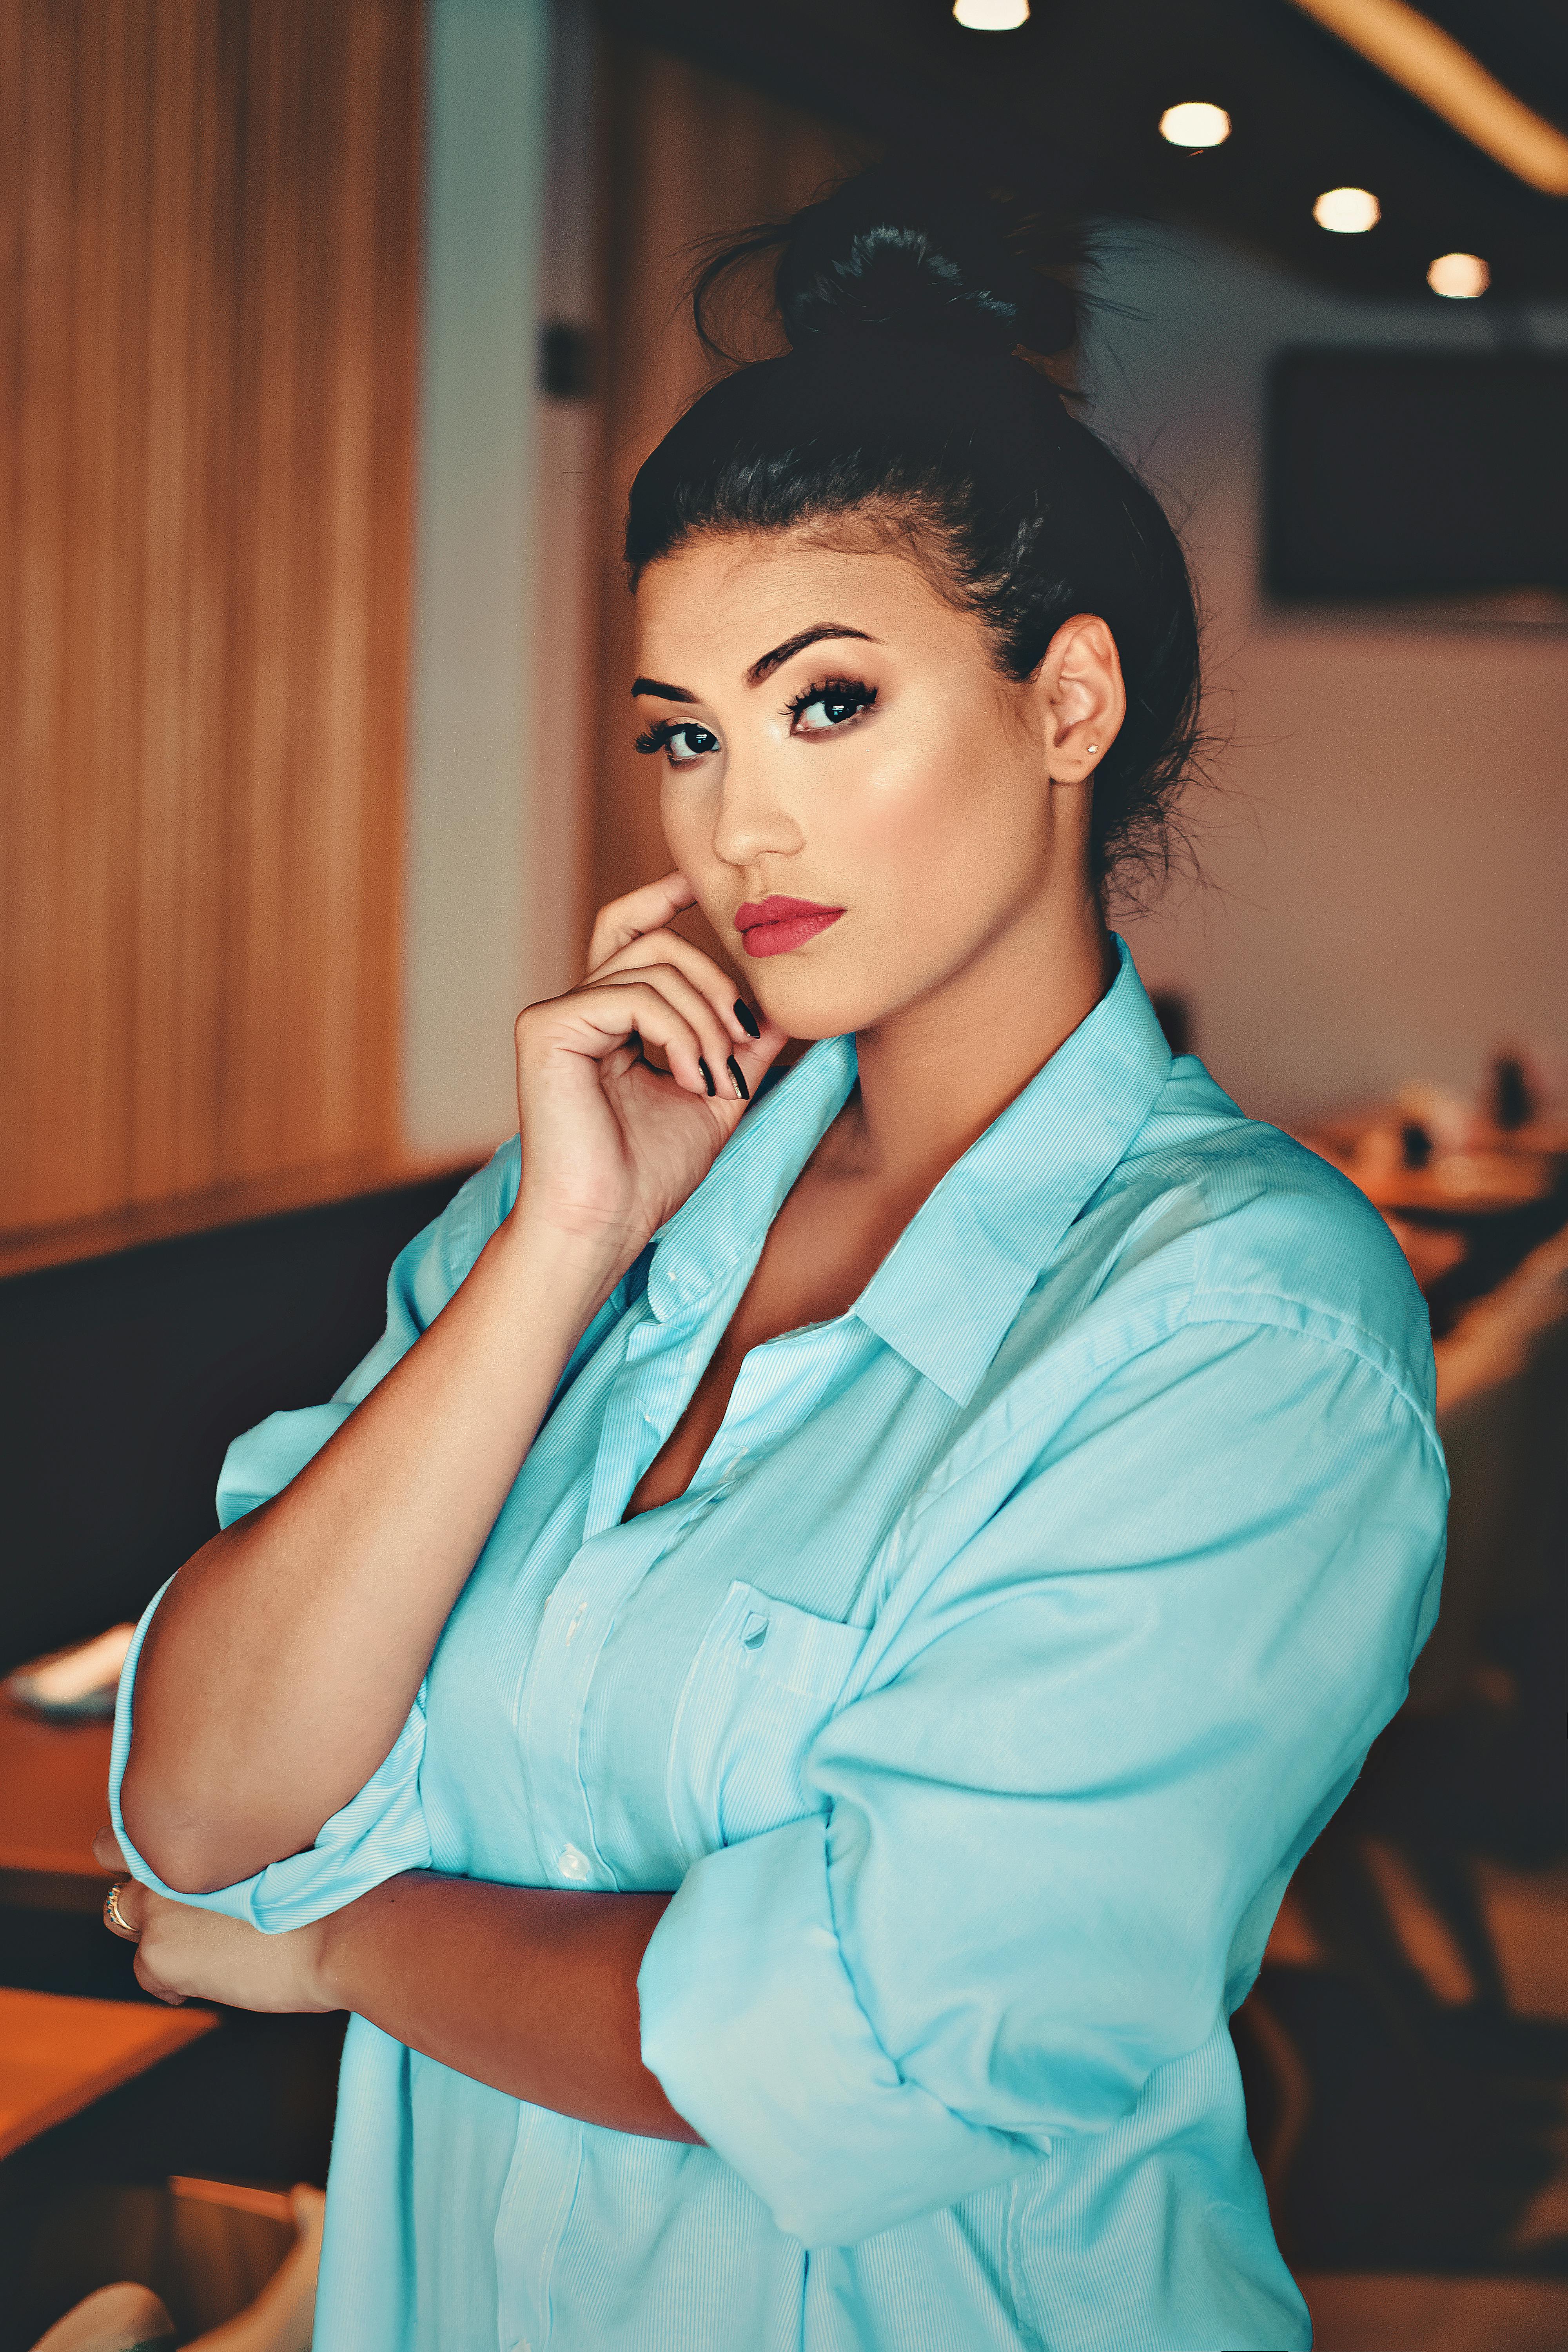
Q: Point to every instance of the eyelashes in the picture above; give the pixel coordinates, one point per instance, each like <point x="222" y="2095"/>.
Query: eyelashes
<point x="841" y="701"/>
<point x="664" y="734"/>
<point x="846" y="695"/>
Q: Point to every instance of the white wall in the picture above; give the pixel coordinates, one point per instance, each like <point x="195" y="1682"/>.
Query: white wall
<point x="573" y="520"/>
<point x="468" y="938"/>
<point x="1388" y="850"/>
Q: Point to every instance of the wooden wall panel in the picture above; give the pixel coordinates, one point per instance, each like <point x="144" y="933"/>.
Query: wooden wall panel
<point x="209" y="262"/>
<point x="690" y="156"/>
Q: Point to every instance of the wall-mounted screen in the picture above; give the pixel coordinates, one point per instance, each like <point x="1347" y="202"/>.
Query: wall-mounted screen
<point x="1402" y="474"/>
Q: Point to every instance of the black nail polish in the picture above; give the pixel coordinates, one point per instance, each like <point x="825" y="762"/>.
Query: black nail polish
<point x="708" y="1074"/>
<point x="742" y="1088"/>
<point x="746" y="1017"/>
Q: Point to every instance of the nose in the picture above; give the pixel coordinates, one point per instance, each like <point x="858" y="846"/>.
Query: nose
<point x="753" y="820"/>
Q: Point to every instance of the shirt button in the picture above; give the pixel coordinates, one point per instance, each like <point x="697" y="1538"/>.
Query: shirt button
<point x="570" y="1863"/>
<point x="754" y="1632"/>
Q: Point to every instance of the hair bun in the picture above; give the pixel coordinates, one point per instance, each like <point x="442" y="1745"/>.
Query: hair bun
<point x="890" y="254"/>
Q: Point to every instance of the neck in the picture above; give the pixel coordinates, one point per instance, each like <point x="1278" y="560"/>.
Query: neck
<point x="933" y="1075"/>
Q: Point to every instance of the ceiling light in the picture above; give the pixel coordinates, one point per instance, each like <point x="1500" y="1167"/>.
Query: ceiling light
<point x="1194" y="124"/>
<point x="991" y="15"/>
<point x="1435" y="67"/>
<point x="1460" y="275"/>
<point x="1347" y="211"/>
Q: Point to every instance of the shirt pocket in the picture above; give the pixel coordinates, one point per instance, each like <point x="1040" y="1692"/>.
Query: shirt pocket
<point x="765" y="1678"/>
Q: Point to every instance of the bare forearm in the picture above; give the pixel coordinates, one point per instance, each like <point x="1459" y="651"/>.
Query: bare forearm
<point x="283" y="1661"/>
<point x="532" y="1991"/>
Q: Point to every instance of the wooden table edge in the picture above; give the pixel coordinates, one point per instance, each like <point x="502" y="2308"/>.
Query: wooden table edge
<point x="175" y="2029"/>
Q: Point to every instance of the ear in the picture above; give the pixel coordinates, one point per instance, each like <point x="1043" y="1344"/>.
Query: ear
<point x="1080" y="697"/>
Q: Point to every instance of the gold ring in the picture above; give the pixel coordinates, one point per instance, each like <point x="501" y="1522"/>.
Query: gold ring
<point x="113" y="1917"/>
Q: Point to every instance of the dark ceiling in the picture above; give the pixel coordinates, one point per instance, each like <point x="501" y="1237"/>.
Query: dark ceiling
<point x="1070" y="104"/>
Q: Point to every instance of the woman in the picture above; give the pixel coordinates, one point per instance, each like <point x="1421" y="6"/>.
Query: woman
<point x="784" y="1693"/>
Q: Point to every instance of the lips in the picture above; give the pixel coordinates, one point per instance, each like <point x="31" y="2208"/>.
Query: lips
<point x="774" y="925"/>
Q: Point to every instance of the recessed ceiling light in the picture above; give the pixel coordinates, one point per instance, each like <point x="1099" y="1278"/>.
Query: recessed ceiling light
<point x="992" y="15"/>
<point x="1459" y="276"/>
<point x="1194" y="124"/>
<point x="1347" y="211"/>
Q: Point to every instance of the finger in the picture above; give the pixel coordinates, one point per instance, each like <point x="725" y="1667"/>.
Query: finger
<point x="125" y="1911"/>
<point x="148" y="1979"/>
<point x="615" y="1010"/>
<point x="647" y="910"/>
<point x="106" y="1852"/>
<point x="716" y="1044"/>
<point x="717" y="986"/>
<point x="755" y="1056"/>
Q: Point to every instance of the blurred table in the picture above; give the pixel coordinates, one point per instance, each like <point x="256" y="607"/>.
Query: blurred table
<point x="54" y="1798"/>
<point x="59" y="2053"/>
<point x="1483" y="1199"/>
<point x="1344" y="1130"/>
<point x="1460" y="1183"/>
<point x="251" y="2098"/>
<point x="1492" y="1170"/>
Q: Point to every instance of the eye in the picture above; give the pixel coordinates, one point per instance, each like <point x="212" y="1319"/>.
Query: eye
<point x="680" y="739"/>
<point x="827" y="706"/>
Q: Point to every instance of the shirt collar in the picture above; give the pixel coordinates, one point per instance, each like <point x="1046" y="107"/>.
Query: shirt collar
<point x="949" y="1290"/>
<point x="726" y="1219"/>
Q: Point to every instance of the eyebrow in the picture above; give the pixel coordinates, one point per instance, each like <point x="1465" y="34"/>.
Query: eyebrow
<point x="764" y="668"/>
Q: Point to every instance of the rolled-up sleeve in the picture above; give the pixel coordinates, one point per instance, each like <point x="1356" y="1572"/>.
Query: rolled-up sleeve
<point x="378" y="1834"/>
<point x="381" y="1830"/>
<point x="1055" y="1825"/>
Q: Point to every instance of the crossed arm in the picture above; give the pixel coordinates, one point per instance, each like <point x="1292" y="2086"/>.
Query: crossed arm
<point x="274" y="1688"/>
<point x="530" y="1991"/>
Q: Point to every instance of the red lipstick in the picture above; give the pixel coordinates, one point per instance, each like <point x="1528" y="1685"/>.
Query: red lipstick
<point x="774" y="925"/>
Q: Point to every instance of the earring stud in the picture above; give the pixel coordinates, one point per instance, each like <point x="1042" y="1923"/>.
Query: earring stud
<point x="1094" y="746"/>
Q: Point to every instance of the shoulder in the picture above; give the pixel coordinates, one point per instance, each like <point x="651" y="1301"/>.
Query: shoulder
<point x="1209" y="1222"/>
<point x="1212" y="1217"/>
<point x="1228" y="1334"/>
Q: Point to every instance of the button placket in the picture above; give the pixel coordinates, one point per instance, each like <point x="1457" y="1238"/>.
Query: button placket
<point x="573" y="1631"/>
<point x="654" y="1380"/>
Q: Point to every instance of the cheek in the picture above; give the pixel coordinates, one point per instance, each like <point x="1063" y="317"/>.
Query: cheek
<point x="685" y="818"/>
<point x="944" y="816"/>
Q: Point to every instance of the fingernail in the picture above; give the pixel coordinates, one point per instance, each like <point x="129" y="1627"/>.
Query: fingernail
<point x="708" y="1074"/>
<point x="746" y="1017"/>
<point x="742" y="1088"/>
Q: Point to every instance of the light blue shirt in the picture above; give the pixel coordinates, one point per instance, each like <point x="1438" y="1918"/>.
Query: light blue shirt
<point x="1018" y="1632"/>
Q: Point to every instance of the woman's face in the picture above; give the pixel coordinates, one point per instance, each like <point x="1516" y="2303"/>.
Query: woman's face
<point x="831" y="732"/>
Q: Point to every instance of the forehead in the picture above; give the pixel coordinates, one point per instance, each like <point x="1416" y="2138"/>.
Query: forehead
<point x="719" y="601"/>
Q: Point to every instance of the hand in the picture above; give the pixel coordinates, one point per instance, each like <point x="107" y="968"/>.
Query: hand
<point x="184" y="1953"/>
<point x="611" y="1145"/>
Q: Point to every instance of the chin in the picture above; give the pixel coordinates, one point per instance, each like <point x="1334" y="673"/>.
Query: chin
<point x="809" y="1012"/>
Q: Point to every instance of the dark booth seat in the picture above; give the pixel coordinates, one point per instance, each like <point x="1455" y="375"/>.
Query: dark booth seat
<point x="123" y="1378"/>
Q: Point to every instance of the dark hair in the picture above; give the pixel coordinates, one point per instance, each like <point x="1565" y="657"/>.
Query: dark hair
<point x="914" y="393"/>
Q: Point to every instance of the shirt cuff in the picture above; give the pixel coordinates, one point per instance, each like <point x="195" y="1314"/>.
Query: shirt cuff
<point x="752" y="2024"/>
<point x="378" y="1834"/>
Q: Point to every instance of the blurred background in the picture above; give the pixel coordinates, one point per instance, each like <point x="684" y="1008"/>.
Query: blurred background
<point x="331" y="333"/>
